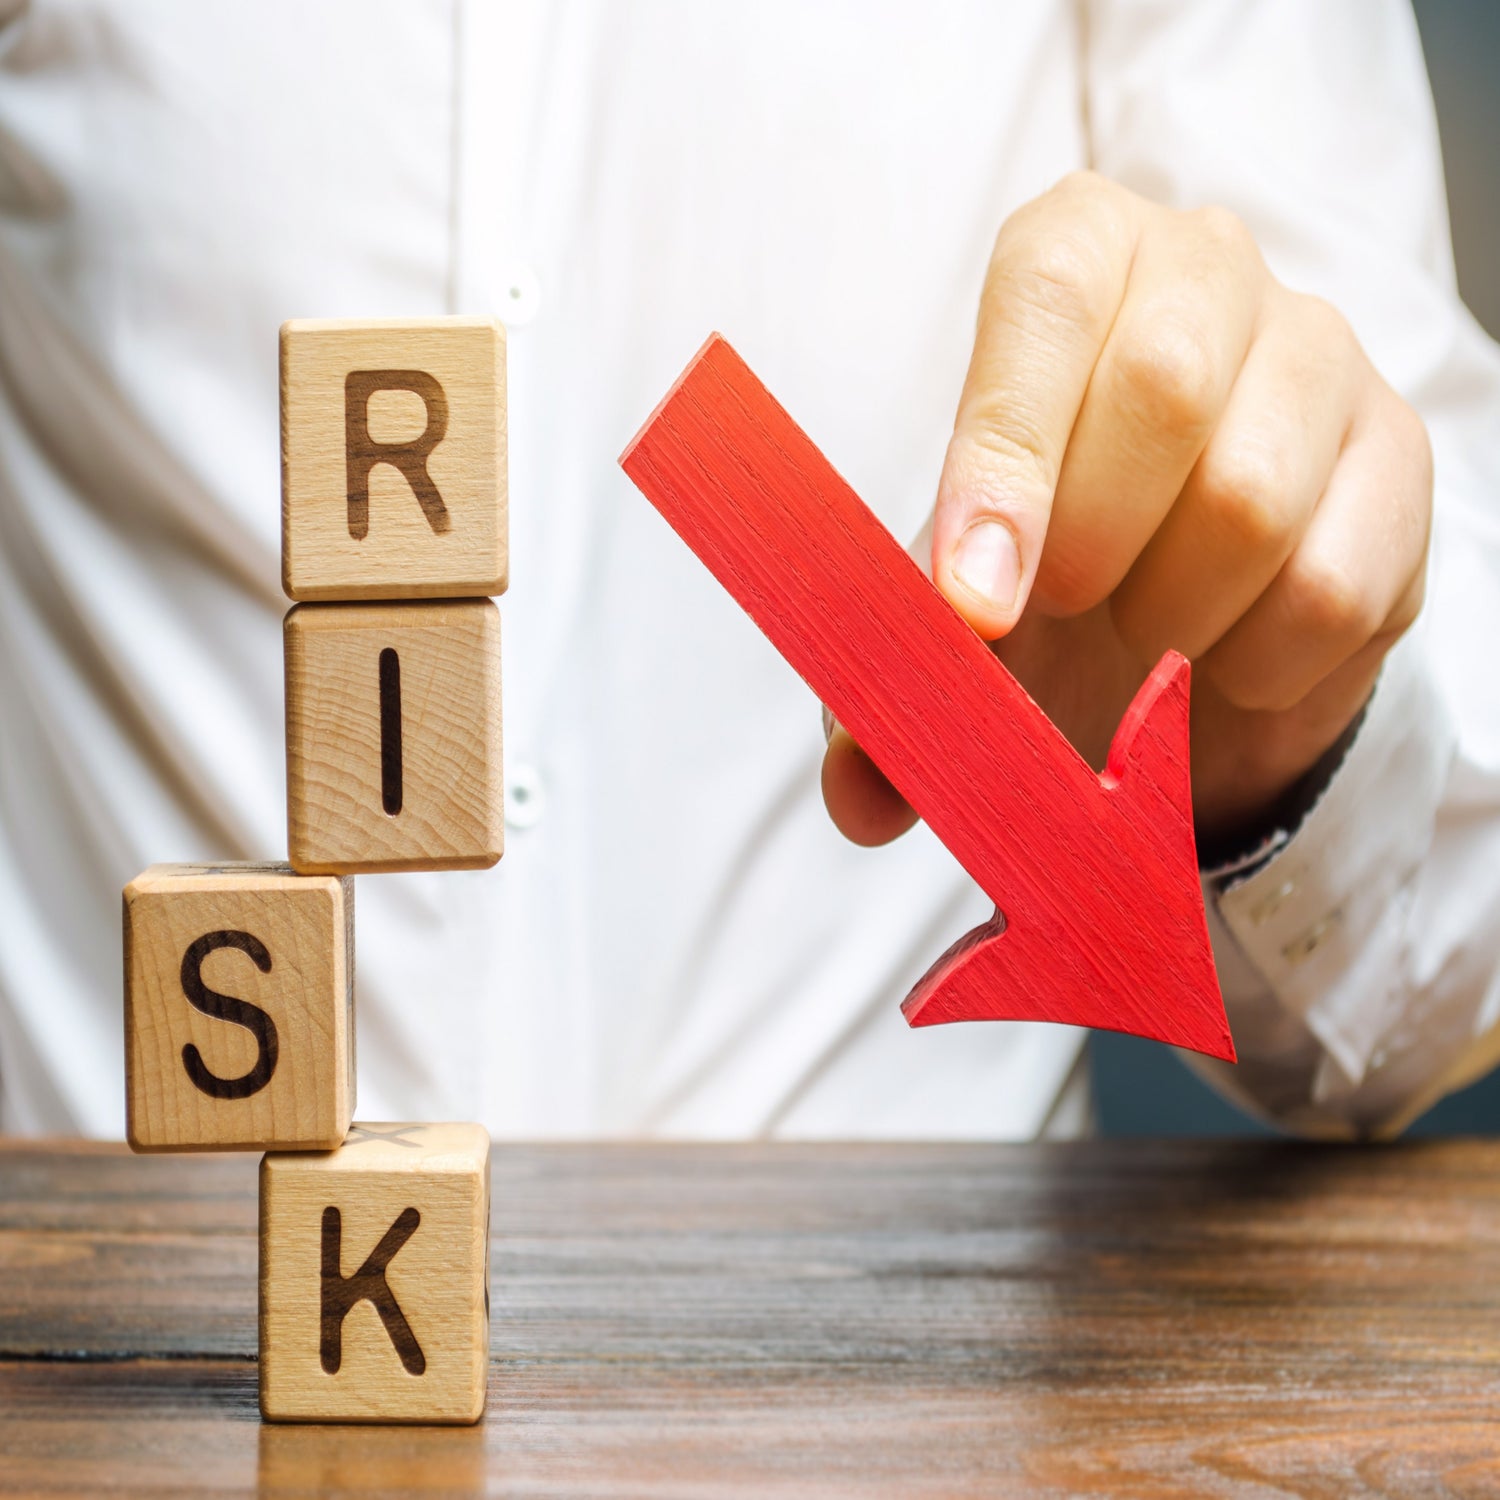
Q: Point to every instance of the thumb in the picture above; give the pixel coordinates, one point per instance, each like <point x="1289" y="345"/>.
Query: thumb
<point x="1053" y="284"/>
<point x="987" y="532"/>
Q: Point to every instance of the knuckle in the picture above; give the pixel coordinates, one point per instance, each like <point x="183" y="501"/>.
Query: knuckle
<point x="1086" y="185"/>
<point x="1251" y="683"/>
<point x="1058" y="275"/>
<point x="1235" y="687"/>
<point x="1247" y="493"/>
<point x="1225" y="232"/>
<point x="1272" y="697"/>
<point x="1170" y="378"/>
<point x="1322" y="326"/>
<point x="1329" y="602"/>
<point x="1003" y="436"/>
<point x="1408" y="470"/>
<point x="1058" y="254"/>
<point x="1412" y="438"/>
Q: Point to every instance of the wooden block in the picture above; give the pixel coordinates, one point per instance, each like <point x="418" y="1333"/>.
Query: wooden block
<point x="374" y="1277"/>
<point x="239" y="994"/>
<point x="393" y="736"/>
<point x="1097" y="876"/>
<point x="393" y="458"/>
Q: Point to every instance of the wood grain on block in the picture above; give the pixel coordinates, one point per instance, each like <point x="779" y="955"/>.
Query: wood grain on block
<point x="393" y="736"/>
<point x="374" y="1277"/>
<point x="239" y="992"/>
<point x="393" y="458"/>
<point x="1097" y="876"/>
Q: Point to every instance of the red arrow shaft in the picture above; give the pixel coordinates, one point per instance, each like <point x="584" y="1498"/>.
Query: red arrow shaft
<point x="778" y="526"/>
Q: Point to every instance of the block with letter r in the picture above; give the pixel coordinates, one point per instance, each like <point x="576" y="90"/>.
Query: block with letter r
<point x="393" y="458"/>
<point x="374" y="1277"/>
<point x="239" y="1028"/>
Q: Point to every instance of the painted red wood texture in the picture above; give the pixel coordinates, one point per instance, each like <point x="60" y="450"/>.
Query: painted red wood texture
<point x="1096" y="875"/>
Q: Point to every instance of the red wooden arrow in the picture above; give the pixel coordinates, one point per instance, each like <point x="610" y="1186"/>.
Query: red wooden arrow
<point x="1097" y="876"/>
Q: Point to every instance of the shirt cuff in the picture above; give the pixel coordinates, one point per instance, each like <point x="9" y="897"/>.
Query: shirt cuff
<point x="1323" y="918"/>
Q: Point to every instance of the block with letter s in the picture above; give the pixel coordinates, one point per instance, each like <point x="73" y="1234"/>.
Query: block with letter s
<point x="239" y="985"/>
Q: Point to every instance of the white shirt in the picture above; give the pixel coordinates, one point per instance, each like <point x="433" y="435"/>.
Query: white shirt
<point x="677" y="940"/>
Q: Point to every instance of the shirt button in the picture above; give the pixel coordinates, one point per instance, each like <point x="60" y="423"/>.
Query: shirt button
<point x="518" y="296"/>
<point x="1307" y="944"/>
<point x="1268" y="906"/>
<point x="525" y="796"/>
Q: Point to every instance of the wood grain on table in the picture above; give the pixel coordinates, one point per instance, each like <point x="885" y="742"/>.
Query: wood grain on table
<point x="1119" y="1319"/>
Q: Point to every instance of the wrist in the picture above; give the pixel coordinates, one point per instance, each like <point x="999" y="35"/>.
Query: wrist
<point x="1239" y="842"/>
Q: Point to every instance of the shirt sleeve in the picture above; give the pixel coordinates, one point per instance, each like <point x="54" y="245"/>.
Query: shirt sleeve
<point x="1358" y="959"/>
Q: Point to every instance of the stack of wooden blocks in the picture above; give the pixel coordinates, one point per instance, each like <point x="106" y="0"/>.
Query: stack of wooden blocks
<point x="239" y="978"/>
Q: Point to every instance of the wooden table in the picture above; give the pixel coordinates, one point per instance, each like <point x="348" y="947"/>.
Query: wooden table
<point x="1113" y="1319"/>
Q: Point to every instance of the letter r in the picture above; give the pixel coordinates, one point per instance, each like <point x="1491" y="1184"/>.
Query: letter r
<point x="362" y="452"/>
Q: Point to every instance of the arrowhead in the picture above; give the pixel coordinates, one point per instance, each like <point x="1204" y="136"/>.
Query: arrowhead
<point x="1125" y="947"/>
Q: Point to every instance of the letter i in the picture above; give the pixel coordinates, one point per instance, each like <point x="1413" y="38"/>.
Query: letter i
<point x="390" y="730"/>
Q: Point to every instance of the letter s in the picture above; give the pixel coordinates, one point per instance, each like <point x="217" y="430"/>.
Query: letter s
<point x="227" y="1008"/>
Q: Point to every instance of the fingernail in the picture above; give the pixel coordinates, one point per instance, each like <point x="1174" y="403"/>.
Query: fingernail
<point x="988" y="564"/>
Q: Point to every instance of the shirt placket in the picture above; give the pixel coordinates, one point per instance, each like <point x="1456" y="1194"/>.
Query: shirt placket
<point x="535" y="1034"/>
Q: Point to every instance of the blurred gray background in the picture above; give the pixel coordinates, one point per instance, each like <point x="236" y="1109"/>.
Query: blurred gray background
<point x="1140" y="1087"/>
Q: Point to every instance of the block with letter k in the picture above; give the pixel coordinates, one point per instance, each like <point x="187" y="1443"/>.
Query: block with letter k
<point x="374" y="1299"/>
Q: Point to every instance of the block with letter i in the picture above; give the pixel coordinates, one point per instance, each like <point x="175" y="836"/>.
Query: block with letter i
<point x="239" y="1028"/>
<point x="394" y="527"/>
<point x="393" y="736"/>
<point x="374" y="1277"/>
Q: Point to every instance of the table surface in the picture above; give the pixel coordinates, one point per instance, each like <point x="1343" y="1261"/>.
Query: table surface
<point x="1104" y="1318"/>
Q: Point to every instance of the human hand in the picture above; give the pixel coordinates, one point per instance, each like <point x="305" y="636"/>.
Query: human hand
<point x="1159" y="445"/>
